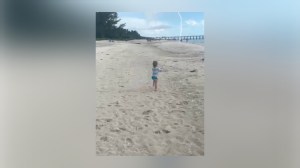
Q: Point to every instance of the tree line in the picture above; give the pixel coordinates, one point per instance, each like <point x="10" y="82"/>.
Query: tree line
<point x="106" y="28"/>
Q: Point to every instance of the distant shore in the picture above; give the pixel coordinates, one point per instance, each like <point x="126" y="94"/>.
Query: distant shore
<point x="132" y="119"/>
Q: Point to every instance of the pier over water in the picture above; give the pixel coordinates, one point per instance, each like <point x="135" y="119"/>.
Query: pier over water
<point x="196" y="37"/>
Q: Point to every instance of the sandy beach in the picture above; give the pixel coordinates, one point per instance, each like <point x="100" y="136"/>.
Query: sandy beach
<point x="134" y="120"/>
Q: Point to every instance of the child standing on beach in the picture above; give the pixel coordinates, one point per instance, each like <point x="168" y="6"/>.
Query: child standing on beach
<point x="155" y="71"/>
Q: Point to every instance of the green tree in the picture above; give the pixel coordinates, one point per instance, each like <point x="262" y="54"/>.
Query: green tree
<point x="106" y="27"/>
<point x="105" y="24"/>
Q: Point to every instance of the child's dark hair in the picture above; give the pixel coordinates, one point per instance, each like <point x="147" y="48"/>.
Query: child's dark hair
<point x="155" y="63"/>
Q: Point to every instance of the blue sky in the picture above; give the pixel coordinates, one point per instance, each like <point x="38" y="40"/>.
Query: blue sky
<point x="153" y="24"/>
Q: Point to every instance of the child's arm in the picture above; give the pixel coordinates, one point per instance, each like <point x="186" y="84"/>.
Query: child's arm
<point x="162" y="70"/>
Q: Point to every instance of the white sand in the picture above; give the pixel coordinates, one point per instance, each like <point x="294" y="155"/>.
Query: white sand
<point x="132" y="119"/>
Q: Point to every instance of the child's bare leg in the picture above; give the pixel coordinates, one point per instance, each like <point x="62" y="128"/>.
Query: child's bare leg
<point x="155" y="85"/>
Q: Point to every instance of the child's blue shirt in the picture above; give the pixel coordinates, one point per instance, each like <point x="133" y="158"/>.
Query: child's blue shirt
<point x="155" y="71"/>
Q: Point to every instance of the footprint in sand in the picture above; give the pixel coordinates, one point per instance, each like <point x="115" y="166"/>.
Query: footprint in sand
<point x="104" y="138"/>
<point x="108" y="120"/>
<point x="117" y="104"/>
<point x="157" y="132"/>
<point x="98" y="127"/>
<point x="166" y="131"/>
<point x="176" y="111"/>
<point x="187" y="125"/>
<point x="146" y="118"/>
<point x="147" y="112"/>
<point x="197" y="142"/>
<point x="129" y="142"/>
<point x="115" y="130"/>
<point x="183" y="103"/>
<point x="150" y="97"/>
<point x="123" y="110"/>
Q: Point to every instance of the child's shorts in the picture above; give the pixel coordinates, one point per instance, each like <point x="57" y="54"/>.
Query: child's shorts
<point x="154" y="77"/>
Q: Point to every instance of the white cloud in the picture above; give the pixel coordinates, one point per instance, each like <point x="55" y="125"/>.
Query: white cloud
<point x="158" y="27"/>
<point x="194" y="22"/>
<point x="191" y="22"/>
<point x="145" y="27"/>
